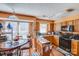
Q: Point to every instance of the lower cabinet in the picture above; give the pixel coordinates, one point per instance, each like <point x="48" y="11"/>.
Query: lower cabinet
<point x="54" y="39"/>
<point x="49" y="38"/>
<point x="43" y="49"/>
<point x="75" y="47"/>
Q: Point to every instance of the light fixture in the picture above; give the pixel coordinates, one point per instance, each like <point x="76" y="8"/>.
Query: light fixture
<point x="64" y="13"/>
<point x="9" y="26"/>
<point x="13" y="16"/>
<point x="70" y="10"/>
<point x="1" y="26"/>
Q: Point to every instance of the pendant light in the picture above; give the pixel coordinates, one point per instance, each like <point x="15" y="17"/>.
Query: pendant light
<point x="1" y="26"/>
<point x="9" y="26"/>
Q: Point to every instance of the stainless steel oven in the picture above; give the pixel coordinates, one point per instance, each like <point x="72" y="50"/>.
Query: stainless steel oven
<point x="65" y="44"/>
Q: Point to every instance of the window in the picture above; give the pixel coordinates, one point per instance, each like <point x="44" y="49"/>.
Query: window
<point x="23" y="30"/>
<point x="18" y="28"/>
<point x="8" y="32"/>
<point x="43" y="28"/>
<point x="6" y="27"/>
<point x="15" y="28"/>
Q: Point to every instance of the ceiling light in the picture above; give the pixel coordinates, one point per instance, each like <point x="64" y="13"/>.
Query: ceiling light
<point x="70" y="10"/>
<point x="13" y="17"/>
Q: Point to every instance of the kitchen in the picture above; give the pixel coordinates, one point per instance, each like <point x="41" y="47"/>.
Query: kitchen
<point x="26" y="29"/>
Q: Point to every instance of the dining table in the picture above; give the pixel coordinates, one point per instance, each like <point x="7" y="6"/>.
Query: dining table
<point x="12" y="45"/>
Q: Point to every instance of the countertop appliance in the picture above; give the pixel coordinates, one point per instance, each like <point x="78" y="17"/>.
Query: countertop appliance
<point x="69" y="28"/>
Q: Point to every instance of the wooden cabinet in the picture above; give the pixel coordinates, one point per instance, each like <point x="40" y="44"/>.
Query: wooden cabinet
<point x="37" y="27"/>
<point x="57" y="26"/>
<point x="66" y="22"/>
<point x="43" y="48"/>
<point x="51" y="27"/>
<point x="76" y="25"/>
<point x="49" y="38"/>
<point x="56" y="40"/>
<point x="39" y="48"/>
<point x="75" y="47"/>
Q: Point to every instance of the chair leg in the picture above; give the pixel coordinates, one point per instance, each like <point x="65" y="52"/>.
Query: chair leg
<point x="21" y="52"/>
<point x="30" y="52"/>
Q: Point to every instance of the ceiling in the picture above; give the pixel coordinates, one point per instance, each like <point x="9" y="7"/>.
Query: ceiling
<point x="41" y="10"/>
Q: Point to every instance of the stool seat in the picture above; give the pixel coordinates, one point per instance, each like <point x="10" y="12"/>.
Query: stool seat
<point x="6" y="52"/>
<point x="27" y="46"/>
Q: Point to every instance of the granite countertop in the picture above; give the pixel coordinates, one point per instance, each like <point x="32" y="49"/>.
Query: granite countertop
<point x="43" y="40"/>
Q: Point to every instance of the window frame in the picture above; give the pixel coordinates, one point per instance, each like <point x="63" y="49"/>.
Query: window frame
<point x="46" y="27"/>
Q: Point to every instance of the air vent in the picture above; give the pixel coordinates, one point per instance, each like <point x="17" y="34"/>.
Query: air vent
<point x="44" y="16"/>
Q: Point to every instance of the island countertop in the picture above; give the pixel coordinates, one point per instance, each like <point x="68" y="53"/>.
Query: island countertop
<point x="43" y="40"/>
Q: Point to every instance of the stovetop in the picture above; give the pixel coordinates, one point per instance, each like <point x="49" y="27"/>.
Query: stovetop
<point x="70" y="36"/>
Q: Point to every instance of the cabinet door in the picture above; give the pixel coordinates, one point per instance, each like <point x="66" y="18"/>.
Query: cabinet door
<point x="76" y="26"/>
<point x="57" y="27"/>
<point x="39" y="48"/>
<point x="46" y="49"/>
<point x="56" y="40"/>
<point x="51" y="39"/>
<point x="74" y="47"/>
<point x="51" y="27"/>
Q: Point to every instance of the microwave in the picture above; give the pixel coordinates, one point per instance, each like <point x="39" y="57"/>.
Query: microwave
<point x="70" y="28"/>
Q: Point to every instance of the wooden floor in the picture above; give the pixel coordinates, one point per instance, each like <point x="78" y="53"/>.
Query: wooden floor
<point x="56" y="53"/>
<point x="53" y="53"/>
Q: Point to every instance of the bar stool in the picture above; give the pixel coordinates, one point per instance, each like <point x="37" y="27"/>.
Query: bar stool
<point x="1" y="52"/>
<point x="28" y="46"/>
<point x="6" y="52"/>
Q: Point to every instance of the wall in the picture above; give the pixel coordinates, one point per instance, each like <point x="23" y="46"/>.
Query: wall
<point x="35" y="20"/>
<point x="50" y="24"/>
<point x="20" y="16"/>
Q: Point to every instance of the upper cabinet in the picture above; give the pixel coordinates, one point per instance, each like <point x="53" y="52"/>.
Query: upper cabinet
<point x="57" y="26"/>
<point x="76" y="25"/>
<point x="73" y="21"/>
<point x="44" y="25"/>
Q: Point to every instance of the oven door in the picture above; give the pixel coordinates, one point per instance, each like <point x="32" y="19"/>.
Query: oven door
<point x="65" y="44"/>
